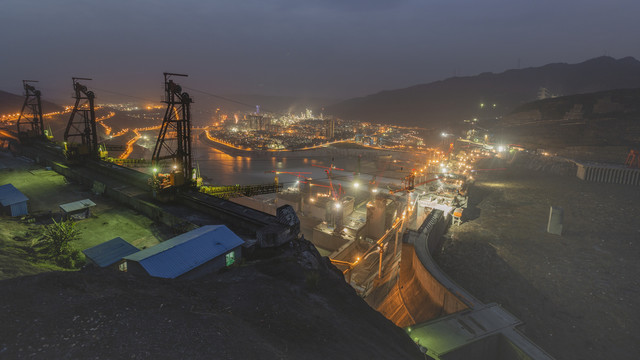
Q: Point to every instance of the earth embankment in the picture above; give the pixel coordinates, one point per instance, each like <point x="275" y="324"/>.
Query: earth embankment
<point x="577" y="293"/>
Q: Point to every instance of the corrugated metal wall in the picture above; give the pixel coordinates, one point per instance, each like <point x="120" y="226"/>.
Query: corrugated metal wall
<point x="19" y="209"/>
<point x="609" y="175"/>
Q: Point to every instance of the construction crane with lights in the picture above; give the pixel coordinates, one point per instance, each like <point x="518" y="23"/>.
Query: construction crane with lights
<point x="633" y="158"/>
<point x="30" y="123"/>
<point x="80" y="135"/>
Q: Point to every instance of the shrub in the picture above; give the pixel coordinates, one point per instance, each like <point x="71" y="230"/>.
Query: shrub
<point x="58" y="237"/>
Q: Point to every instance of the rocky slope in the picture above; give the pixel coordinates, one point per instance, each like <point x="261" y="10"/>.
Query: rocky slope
<point x="290" y="304"/>
<point x="607" y="118"/>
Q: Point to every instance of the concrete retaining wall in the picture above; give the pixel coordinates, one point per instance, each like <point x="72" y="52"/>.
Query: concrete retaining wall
<point x="255" y="204"/>
<point x="148" y="209"/>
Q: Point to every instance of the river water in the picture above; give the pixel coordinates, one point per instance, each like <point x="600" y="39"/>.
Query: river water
<point x="219" y="168"/>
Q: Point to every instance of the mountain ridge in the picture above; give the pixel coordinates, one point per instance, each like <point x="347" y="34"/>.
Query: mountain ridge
<point x="11" y="103"/>
<point x="454" y="99"/>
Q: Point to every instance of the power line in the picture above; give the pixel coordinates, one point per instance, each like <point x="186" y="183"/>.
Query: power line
<point x="222" y="97"/>
<point x="121" y="94"/>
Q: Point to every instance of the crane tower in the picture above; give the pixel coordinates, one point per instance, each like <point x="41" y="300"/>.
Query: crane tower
<point x="174" y="139"/>
<point x="30" y="123"/>
<point x="80" y="136"/>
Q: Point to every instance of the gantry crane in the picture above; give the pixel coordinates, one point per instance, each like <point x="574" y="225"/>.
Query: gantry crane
<point x="80" y="136"/>
<point x="294" y="173"/>
<point x="30" y="123"/>
<point x="174" y="138"/>
<point x="410" y="185"/>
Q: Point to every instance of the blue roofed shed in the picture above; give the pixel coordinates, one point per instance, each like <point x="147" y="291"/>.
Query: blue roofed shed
<point x="192" y="254"/>
<point x="13" y="200"/>
<point x="109" y="252"/>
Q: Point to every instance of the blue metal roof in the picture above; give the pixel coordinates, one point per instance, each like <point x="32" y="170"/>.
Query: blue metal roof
<point x="110" y="252"/>
<point x="9" y="195"/>
<point x="185" y="252"/>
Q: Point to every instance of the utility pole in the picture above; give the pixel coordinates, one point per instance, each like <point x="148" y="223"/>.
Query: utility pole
<point x="380" y="264"/>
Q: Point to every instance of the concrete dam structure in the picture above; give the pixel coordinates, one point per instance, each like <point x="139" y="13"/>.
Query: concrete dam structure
<point x="439" y="315"/>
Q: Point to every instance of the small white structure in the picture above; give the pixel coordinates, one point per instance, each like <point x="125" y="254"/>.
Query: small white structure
<point x="14" y="200"/>
<point x="77" y="209"/>
<point x="556" y="216"/>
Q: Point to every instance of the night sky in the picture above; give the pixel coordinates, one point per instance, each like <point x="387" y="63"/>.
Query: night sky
<point x="328" y="48"/>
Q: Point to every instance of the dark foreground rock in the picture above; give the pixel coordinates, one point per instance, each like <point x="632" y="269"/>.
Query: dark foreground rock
<point x="293" y="305"/>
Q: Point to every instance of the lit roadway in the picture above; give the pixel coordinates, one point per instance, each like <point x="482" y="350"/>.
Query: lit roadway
<point x="286" y="150"/>
<point x="137" y="137"/>
<point x="106" y="127"/>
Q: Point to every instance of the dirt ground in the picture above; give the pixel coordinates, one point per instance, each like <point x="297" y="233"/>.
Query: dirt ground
<point x="46" y="190"/>
<point x="577" y="293"/>
<point x="289" y="306"/>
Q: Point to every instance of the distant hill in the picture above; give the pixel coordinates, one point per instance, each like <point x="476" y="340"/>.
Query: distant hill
<point x="12" y="103"/>
<point x="606" y="118"/>
<point x="450" y="101"/>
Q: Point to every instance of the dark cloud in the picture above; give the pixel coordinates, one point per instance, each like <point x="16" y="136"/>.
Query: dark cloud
<point x="317" y="47"/>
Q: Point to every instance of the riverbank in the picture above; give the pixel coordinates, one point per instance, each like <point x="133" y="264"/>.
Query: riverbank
<point x="339" y="148"/>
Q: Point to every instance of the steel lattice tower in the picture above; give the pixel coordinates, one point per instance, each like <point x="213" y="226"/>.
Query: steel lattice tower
<point x="82" y="123"/>
<point x="174" y="139"/>
<point x="33" y="115"/>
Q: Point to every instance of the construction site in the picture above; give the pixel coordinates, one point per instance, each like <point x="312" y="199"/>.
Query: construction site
<point x="381" y="227"/>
